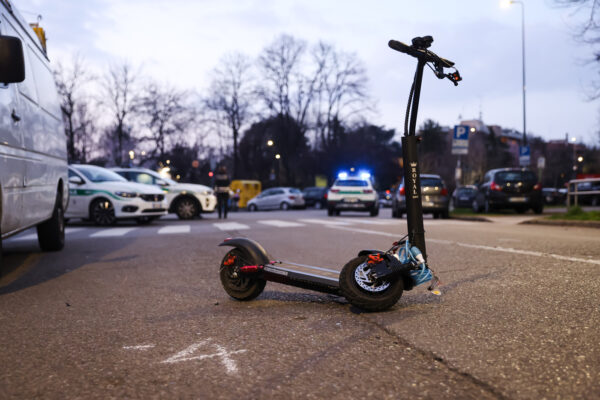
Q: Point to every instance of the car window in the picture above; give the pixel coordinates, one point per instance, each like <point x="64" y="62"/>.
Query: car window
<point x="142" y="177"/>
<point x="430" y="182"/>
<point x="295" y="191"/>
<point x="350" y="182"/>
<point x="73" y="173"/>
<point x="97" y="174"/>
<point x="466" y="191"/>
<point x="515" y="176"/>
<point x="266" y="193"/>
<point x="277" y="191"/>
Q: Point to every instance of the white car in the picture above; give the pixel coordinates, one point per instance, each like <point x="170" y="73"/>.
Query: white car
<point x="282" y="198"/>
<point x="104" y="197"/>
<point x="187" y="200"/>
<point x="352" y="193"/>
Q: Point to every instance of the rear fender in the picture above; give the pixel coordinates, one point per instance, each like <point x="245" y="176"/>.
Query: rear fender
<point x="254" y="249"/>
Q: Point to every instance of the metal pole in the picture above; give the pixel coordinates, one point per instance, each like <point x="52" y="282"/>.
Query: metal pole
<point x="523" y="58"/>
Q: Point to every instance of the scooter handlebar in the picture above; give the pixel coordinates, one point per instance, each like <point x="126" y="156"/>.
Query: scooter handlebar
<point x="421" y="54"/>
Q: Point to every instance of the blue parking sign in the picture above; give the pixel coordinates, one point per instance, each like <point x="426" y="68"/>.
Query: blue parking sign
<point x="460" y="140"/>
<point x="524" y="155"/>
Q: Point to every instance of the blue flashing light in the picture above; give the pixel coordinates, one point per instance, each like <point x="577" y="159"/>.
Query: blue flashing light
<point x="342" y="175"/>
<point x="365" y="175"/>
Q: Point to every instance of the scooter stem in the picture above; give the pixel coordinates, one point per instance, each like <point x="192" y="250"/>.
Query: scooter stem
<point x="412" y="171"/>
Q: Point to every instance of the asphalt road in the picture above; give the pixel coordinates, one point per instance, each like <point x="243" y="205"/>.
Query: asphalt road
<point x="139" y="312"/>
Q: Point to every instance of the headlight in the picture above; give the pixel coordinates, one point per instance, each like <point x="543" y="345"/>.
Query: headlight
<point x="207" y="192"/>
<point x="127" y="195"/>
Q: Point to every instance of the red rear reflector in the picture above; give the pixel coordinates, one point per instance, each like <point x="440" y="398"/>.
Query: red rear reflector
<point x="496" y="187"/>
<point x="325" y="196"/>
<point x="444" y="192"/>
<point x="538" y="186"/>
<point x="292" y="197"/>
<point x="387" y="191"/>
<point x="367" y="191"/>
<point x="402" y="190"/>
<point x="335" y="190"/>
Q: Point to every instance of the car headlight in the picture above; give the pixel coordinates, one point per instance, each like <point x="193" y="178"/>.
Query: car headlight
<point x="207" y="192"/>
<point x="127" y="195"/>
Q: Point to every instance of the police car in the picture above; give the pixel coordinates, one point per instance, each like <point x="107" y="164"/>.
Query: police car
<point x="352" y="193"/>
<point x="104" y="196"/>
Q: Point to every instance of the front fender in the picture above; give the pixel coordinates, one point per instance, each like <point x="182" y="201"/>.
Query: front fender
<point x="256" y="251"/>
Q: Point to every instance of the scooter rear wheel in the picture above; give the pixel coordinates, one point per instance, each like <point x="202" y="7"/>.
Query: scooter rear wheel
<point x="238" y="285"/>
<point x="363" y="293"/>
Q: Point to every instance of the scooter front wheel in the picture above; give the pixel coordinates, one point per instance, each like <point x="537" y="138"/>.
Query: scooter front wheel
<point x="361" y="291"/>
<point x="238" y="285"/>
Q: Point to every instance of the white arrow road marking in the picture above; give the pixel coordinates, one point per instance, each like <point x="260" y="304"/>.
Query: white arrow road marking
<point x="230" y="226"/>
<point x="222" y="353"/>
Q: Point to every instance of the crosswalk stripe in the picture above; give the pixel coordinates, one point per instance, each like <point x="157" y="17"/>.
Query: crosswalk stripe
<point x="73" y="230"/>
<point x="371" y="221"/>
<point x="230" y="226"/>
<point x="324" y="221"/>
<point x="31" y="236"/>
<point x="166" y="230"/>
<point x="113" y="232"/>
<point x="280" y="224"/>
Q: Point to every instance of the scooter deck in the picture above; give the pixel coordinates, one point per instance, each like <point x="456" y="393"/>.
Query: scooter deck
<point x="303" y="276"/>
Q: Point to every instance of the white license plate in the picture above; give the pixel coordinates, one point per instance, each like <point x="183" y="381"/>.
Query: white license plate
<point x="157" y="205"/>
<point x="351" y="200"/>
<point x="427" y="204"/>
<point x="517" y="199"/>
<point x="463" y="198"/>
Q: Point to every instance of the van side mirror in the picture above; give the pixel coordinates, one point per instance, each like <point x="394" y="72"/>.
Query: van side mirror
<point x="12" y="63"/>
<point x="76" y="180"/>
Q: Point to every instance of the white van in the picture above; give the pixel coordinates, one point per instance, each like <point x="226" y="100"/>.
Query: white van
<point x="33" y="152"/>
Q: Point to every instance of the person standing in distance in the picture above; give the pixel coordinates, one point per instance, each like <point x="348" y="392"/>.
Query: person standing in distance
<point x="222" y="188"/>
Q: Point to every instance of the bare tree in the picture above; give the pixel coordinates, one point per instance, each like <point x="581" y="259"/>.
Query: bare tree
<point x="119" y="96"/>
<point x="71" y="83"/>
<point x="229" y="97"/>
<point x="165" y="113"/>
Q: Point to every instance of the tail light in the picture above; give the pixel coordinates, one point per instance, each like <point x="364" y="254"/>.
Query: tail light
<point x="402" y="190"/>
<point x="538" y="186"/>
<point x="292" y="197"/>
<point x="335" y="190"/>
<point x="495" y="187"/>
<point x="444" y="192"/>
<point x="325" y="196"/>
<point x="367" y="191"/>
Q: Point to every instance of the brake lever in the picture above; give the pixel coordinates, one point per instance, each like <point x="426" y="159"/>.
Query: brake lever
<point x="454" y="77"/>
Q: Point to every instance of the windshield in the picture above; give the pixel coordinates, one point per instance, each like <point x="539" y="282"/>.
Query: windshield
<point x="515" y="176"/>
<point x="351" y="182"/>
<point x="98" y="174"/>
<point x="431" y="182"/>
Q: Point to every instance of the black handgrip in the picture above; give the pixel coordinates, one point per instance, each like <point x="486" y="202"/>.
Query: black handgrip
<point x="399" y="46"/>
<point x="426" y="55"/>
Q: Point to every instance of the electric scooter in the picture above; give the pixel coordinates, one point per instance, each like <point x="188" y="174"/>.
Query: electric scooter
<point x="374" y="280"/>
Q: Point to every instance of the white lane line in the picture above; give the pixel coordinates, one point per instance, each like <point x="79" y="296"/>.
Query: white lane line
<point x="73" y="230"/>
<point x="324" y="221"/>
<point x="370" y="221"/>
<point x="167" y="230"/>
<point x="476" y="246"/>
<point x="113" y="232"/>
<point x="280" y="224"/>
<point x="230" y="226"/>
<point x="139" y="347"/>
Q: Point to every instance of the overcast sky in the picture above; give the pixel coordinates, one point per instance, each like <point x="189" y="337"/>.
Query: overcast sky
<point x="180" y="41"/>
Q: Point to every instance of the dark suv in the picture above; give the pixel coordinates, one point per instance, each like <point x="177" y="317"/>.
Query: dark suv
<point x="509" y="188"/>
<point x="315" y="197"/>
<point x="434" y="197"/>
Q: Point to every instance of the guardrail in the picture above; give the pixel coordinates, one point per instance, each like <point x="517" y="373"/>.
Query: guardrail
<point x="575" y="183"/>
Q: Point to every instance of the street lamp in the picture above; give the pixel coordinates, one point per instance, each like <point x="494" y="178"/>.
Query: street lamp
<point x="269" y="143"/>
<point x="507" y="3"/>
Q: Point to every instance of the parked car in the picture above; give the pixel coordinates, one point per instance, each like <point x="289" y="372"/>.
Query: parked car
<point x="463" y="196"/>
<point x="187" y="200"/>
<point x="315" y="197"/>
<point x="103" y="196"/>
<point x="282" y="198"/>
<point x="516" y="188"/>
<point x="434" y="197"/>
<point x="352" y="193"/>
<point x="34" y="190"/>
<point x="553" y="196"/>
<point x="385" y="198"/>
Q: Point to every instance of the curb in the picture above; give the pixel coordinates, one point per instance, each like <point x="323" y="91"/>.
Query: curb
<point x="477" y="219"/>
<point x="563" y="222"/>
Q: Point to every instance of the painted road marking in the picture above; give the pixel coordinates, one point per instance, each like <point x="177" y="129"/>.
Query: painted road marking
<point x="73" y="230"/>
<point x="280" y="224"/>
<point x="31" y="236"/>
<point x="171" y="229"/>
<point x="325" y="221"/>
<point x="139" y="347"/>
<point x="369" y="221"/>
<point x="476" y="246"/>
<point x="230" y="226"/>
<point x="188" y="355"/>
<point x="113" y="232"/>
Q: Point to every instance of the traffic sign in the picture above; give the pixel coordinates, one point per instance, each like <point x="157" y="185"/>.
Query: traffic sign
<point x="460" y="140"/>
<point x="524" y="156"/>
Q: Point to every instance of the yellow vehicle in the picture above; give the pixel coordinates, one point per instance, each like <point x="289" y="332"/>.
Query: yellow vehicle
<point x="247" y="190"/>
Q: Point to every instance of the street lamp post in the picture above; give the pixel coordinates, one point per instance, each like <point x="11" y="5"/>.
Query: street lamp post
<point x="523" y="59"/>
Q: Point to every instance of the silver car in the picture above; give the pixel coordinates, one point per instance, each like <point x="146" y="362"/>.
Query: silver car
<point x="282" y="198"/>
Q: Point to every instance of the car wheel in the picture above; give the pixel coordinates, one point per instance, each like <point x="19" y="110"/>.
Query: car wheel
<point x="284" y="206"/>
<point x="475" y="206"/>
<point x="374" y="212"/>
<point x="446" y="214"/>
<point x="538" y="209"/>
<point x="252" y="208"/>
<point x="436" y="215"/>
<point x="336" y="213"/>
<point x="186" y="208"/>
<point x="394" y="213"/>
<point x="330" y="212"/>
<point x="487" y="206"/>
<point x="318" y="205"/>
<point x="102" y="212"/>
<point x="51" y="234"/>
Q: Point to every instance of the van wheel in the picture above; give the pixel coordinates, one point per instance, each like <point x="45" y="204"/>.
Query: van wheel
<point x="51" y="233"/>
<point x="374" y="212"/>
<point x="102" y="212"/>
